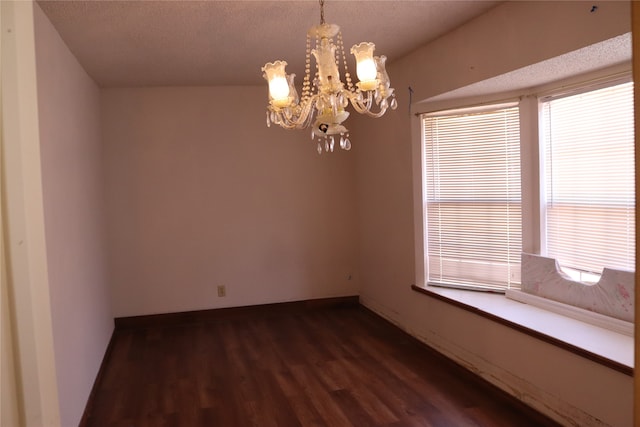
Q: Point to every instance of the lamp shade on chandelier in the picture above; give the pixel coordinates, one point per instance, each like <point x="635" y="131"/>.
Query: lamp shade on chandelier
<point x="322" y="105"/>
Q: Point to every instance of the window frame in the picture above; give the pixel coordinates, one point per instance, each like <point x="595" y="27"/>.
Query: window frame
<point x="425" y="151"/>
<point x="531" y="179"/>
<point x="542" y="98"/>
<point x="599" y="344"/>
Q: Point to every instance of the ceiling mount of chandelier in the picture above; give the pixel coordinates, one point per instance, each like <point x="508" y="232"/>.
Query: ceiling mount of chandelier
<point x="325" y="98"/>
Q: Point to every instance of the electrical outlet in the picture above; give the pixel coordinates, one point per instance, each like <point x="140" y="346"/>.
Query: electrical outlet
<point x="222" y="291"/>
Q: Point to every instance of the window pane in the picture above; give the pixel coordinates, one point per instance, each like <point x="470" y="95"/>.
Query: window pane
<point x="589" y="200"/>
<point x="472" y="182"/>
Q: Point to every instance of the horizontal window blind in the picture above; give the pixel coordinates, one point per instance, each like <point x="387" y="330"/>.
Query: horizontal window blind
<point x="589" y="200"/>
<point x="473" y="202"/>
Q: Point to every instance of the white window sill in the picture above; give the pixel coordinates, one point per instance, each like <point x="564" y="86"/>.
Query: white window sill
<point x="604" y="346"/>
<point x="565" y="310"/>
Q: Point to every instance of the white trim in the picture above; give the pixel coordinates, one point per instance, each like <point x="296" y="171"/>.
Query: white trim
<point x="473" y="109"/>
<point x="9" y="412"/>
<point x="585" y="86"/>
<point x="418" y="199"/>
<point x="28" y="278"/>
<point x="593" y="318"/>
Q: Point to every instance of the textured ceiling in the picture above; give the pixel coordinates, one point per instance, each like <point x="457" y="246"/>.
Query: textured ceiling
<point x="166" y="43"/>
<point x="608" y="53"/>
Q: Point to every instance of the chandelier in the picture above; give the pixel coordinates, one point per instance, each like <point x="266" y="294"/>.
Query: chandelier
<point x="325" y="98"/>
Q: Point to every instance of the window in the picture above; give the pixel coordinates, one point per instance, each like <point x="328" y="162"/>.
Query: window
<point x="471" y="181"/>
<point x="588" y="205"/>
<point x="567" y="172"/>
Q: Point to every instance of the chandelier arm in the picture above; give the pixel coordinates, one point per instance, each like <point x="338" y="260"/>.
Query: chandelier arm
<point x="370" y="113"/>
<point x="376" y="115"/>
<point x="360" y="105"/>
<point x="369" y="100"/>
<point x="365" y="107"/>
<point x="279" y="117"/>
<point x="287" y="119"/>
<point x="307" y="111"/>
<point x="287" y="123"/>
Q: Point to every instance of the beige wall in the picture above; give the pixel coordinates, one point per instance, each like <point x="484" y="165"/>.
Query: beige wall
<point x="201" y="193"/>
<point x="68" y="107"/>
<point x="569" y="388"/>
<point x="511" y="36"/>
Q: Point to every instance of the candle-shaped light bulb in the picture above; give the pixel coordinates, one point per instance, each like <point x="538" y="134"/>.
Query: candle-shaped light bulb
<point x="275" y="74"/>
<point x="366" y="70"/>
<point x="365" y="65"/>
<point x="279" y="88"/>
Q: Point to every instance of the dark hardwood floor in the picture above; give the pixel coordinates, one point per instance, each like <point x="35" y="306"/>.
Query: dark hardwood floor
<point x="316" y="367"/>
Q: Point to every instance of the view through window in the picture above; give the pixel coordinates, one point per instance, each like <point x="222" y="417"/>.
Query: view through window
<point x="473" y="205"/>
<point x="588" y="203"/>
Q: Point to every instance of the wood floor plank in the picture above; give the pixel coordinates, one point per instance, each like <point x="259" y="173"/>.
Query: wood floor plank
<point x="321" y="367"/>
<point x="352" y="408"/>
<point x="362" y="390"/>
<point x="321" y="398"/>
<point x="300" y="402"/>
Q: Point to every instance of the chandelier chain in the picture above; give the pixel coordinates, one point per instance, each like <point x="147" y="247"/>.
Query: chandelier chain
<point x="347" y="75"/>
<point x="321" y="11"/>
<point x="306" y="85"/>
